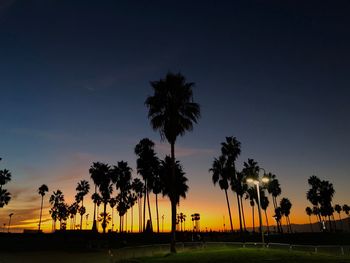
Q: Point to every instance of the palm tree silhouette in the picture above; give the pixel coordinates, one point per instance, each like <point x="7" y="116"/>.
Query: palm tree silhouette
<point x="42" y="190"/>
<point x="264" y="202"/>
<point x="231" y="148"/>
<point x="106" y="189"/>
<point x="138" y="188"/>
<point x="57" y="210"/>
<point x="222" y="177"/>
<point x="112" y="203"/>
<point x="104" y="218"/>
<point x="172" y="112"/>
<point x="73" y="210"/>
<point x="97" y="173"/>
<point x="83" y="188"/>
<point x="180" y="188"/>
<point x="5" y="196"/>
<point x="96" y="198"/>
<point x="157" y="189"/>
<point x="338" y="209"/>
<point x="148" y="167"/>
<point x="286" y="205"/>
<point x="308" y="211"/>
<point x="241" y="188"/>
<point x="274" y="189"/>
<point x="346" y="210"/>
<point x="121" y="176"/>
<point x="251" y="194"/>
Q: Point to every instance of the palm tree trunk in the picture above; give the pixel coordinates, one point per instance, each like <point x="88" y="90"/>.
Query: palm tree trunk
<point x="94" y="224"/>
<point x="112" y="219"/>
<point x="239" y="214"/>
<point x="173" y="201"/>
<point x="144" y="207"/>
<point x="41" y="211"/>
<point x="120" y="224"/>
<point x="157" y="213"/>
<point x="140" y="214"/>
<point x="81" y="215"/>
<point x="253" y="219"/>
<point x="229" y="210"/>
<point x="245" y="229"/>
<point x="312" y="230"/>
<point x="267" y="222"/>
<point x="104" y="218"/>
<point x="126" y="221"/>
<point x="149" y="211"/>
<point x="132" y="219"/>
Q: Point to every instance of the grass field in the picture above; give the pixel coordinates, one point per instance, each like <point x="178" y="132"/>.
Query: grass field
<point x="243" y="255"/>
<point x="222" y="255"/>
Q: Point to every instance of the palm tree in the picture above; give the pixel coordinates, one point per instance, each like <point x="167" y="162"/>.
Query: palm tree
<point x="157" y="189"/>
<point x="172" y="112"/>
<point x="222" y="177"/>
<point x="286" y="205"/>
<point x="83" y="188"/>
<point x="251" y="194"/>
<point x="274" y="189"/>
<point x="106" y="189"/>
<point x="338" y="209"/>
<point x="96" y="198"/>
<point x="57" y="207"/>
<point x="97" y="172"/>
<point x="112" y="203"/>
<point x="5" y="196"/>
<point x="121" y="176"/>
<point x="42" y="190"/>
<point x="180" y="188"/>
<point x="308" y="211"/>
<point x="148" y="167"/>
<point x="346" y="210"/>
<point x="73" y="210"/>
<point x="264" y="202"/>
<point x="104" y="218"/>
<point x="241" y="188"/>
<point x="137" y="187"/>
<point x="231" y="148"/>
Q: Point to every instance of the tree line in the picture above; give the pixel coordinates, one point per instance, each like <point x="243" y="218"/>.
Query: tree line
<point x="225" y="173"/>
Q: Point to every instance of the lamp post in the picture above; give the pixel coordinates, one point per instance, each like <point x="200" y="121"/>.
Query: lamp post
<point x="256" y="182"/>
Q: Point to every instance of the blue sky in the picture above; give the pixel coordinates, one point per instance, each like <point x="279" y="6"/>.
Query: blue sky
<point x="74" y="77"/>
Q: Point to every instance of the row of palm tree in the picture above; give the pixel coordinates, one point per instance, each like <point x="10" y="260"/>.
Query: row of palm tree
<point x="337" y="208"/>
<point x="226" y="175"/>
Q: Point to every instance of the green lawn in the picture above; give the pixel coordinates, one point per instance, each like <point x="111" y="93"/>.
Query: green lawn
<point x="245" y="255"/>
<point x="221" y="255"/>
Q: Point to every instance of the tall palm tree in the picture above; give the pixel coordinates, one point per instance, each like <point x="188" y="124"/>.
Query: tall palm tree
<point x="157" y="189"/>
<point x="138" y="188"/>
<point x="73" y="210"/>
<point x="346" y="210"/>
<point x="286" y="205"/>
<point x="148" y="167"/>
<point x="172" y="111"/>
<point x="5" y="196"/>
<point x="83" y="188"/>
<point x="231" y="148"/>
<point x="97" y="172"/>
<point x="221" y="176"/>
<point x="105" y="189"/>
<point x="96" y="199"/>
<point x="112" y="203"/>
<point x="121" y="176"/>
<point x="57" y="207"/>
<point x="308" y="211"/>
<point x="251" y="194"/>
<point x="241" y="188"/>
<point x="43" y="189"/>
<point x="264" y="202"/>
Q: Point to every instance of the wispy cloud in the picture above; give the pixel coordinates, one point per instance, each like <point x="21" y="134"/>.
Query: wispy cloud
<point x="182" y="151"/>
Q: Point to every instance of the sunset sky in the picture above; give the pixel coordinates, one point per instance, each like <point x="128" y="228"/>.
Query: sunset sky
<point x="74" y="76"/>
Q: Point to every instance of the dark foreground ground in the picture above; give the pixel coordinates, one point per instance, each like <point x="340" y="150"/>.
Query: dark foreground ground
<point x="88" y="241"/>
<point x="222" y="255"/>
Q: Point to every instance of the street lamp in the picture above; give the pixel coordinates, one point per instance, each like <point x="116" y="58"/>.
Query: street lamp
<point x="265" y="179"/>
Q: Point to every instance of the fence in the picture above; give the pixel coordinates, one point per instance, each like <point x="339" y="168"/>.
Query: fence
<point x="159" y="249"/>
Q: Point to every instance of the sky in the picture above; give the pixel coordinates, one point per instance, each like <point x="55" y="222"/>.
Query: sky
<point x="74" y="76"/>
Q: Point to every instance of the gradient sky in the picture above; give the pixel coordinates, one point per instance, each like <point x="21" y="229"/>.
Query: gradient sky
<point x="74" y="76"/>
